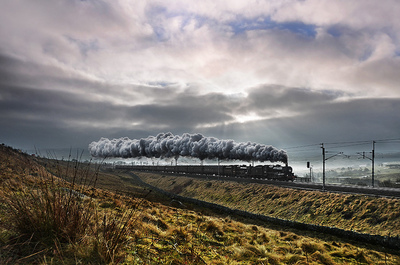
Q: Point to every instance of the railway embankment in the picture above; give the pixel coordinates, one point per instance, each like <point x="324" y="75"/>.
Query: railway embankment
<point x="362" y="218"/>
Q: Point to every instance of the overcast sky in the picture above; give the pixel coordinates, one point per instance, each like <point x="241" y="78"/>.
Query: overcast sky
<point x="278" y="72"/>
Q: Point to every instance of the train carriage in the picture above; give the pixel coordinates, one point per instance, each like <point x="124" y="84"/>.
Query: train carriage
<point x="273" y="172"/>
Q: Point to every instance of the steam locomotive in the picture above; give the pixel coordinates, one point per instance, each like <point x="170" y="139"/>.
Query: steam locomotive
<point x="273" y="172"/>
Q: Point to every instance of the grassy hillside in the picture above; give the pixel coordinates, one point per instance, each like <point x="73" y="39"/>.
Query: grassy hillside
<point x="51" y="212"/>
<point x="353" y="212"/>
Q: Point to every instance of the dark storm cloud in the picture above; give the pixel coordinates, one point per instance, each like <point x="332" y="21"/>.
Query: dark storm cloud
<point x="15" y="72"/>
<point x="31" y="96"/>
<point x="38" y="102"/>
<point x="28" y="100"/>
<point x="337" y="121"/>
<point x="177" y="115"/>
<point x="270" y="97"/>
<point x="361" y="117"/>
<point x="21" y="104"/>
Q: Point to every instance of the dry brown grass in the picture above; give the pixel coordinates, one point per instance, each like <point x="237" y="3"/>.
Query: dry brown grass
<point x="356" y="212"/>
<point x="154" y="232"/>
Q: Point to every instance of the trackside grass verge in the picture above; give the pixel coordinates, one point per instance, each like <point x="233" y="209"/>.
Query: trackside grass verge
<point x="359" y="213"/>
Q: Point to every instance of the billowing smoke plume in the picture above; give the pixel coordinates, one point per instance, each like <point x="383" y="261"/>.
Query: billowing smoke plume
<point x="167" y="145"/>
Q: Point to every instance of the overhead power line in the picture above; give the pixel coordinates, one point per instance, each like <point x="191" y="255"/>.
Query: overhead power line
<point x="301" y="146"/>
<point x="388" y="140"/>
<point x="347" y="143"/>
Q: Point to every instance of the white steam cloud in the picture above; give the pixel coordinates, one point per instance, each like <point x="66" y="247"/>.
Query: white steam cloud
<point x="167" y="145"/>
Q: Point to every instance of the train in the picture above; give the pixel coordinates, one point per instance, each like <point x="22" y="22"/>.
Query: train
<point x="271" y="172"/>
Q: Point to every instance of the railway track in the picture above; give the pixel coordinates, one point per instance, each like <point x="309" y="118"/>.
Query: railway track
<point x="351" y="189"/>
<point x="379" y="191"/>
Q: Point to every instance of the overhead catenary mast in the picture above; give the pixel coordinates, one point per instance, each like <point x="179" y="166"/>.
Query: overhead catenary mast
<point x="372" y="158"/>
<point x="323" y="164"/>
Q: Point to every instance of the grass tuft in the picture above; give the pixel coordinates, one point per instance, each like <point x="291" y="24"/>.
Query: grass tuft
<point x="47" y="212"/>
<point x="323" y="258"/>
